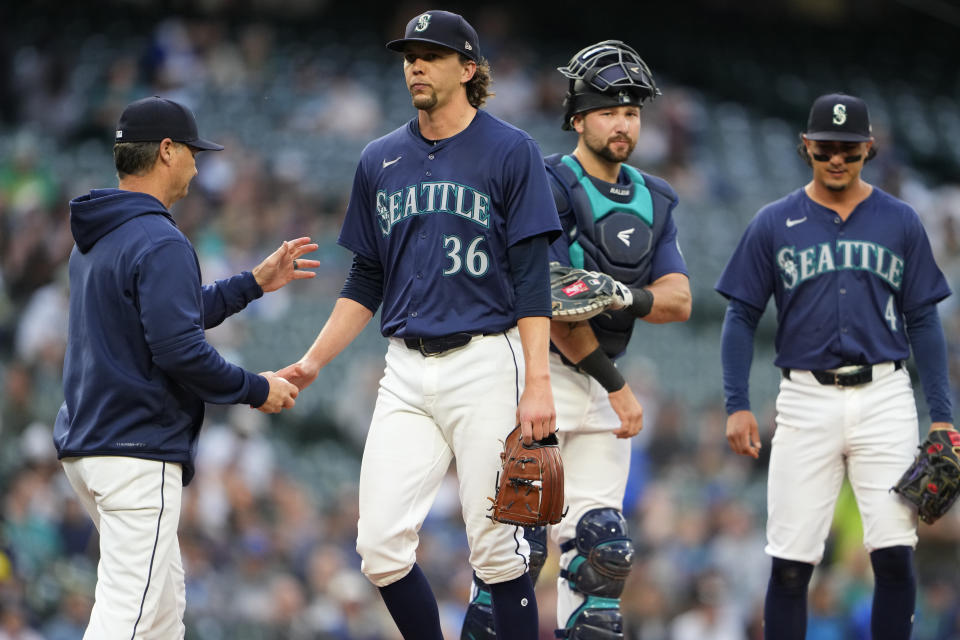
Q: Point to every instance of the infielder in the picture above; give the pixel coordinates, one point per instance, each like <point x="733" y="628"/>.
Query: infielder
<point x="138" y="368"/>
<point x="449" y="221"/>
<point x="856" y="286"/>
<point x="617" y="220"/>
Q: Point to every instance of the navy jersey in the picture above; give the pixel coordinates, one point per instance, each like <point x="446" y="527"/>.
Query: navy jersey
<point x="624" y="229"/>
<point x="841" y="287"/>
<point x="439" y="217"/>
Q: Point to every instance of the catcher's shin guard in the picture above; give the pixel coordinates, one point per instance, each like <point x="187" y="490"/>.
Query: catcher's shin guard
<point x="598" y="572"/>
<point x="478" y="621"/>
<point x="597" y="619"/>
<point x="536" y="537"/>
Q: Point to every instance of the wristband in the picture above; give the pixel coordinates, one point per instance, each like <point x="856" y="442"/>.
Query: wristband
<point x="642" y="302"/>
<point x="601" y="368"/>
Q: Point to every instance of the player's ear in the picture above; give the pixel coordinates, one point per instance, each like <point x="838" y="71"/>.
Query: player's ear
<point x="469" y="69"/>
<point x="803" y="150"/>
<point x="576" y="121"/>
<point x="166" y="151"/>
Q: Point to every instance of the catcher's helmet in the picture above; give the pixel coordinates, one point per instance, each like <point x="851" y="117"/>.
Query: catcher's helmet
<point x="606" y="74"/>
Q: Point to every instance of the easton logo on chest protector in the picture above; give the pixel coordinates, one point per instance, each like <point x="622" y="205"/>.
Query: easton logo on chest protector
<point x="431" y="197"/>
<point x="615" y="229"/>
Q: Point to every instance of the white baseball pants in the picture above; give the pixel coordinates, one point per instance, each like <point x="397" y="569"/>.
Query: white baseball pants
<point x="135" y="505"/>
<point x="430" y="410"/>
<point x="870" y="432"/>
<point x="596" y="463"/>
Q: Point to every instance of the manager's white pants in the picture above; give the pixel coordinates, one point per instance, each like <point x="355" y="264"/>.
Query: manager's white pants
<point x="135" y="505"/>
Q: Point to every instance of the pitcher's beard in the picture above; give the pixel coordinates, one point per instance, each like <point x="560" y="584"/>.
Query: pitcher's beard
<point x="425" y="101"/>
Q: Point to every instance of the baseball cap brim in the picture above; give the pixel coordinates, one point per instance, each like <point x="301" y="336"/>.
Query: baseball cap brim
<point x="400" y="45"/>
<point x="837" y="136"/>
<point x="200" y="143"/>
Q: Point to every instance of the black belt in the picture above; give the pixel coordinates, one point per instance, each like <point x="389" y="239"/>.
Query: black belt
<point x="438" y="346"/>
<point x="862" y="375"/>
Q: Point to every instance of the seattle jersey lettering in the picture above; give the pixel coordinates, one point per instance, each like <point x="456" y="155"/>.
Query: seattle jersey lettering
<point x="432" y="197"/>
<point x="860" y="255"/>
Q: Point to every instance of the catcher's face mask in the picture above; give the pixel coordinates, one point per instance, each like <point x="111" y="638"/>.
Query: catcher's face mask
<point x="606" y="74"/>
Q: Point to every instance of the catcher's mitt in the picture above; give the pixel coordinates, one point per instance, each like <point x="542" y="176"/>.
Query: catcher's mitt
<point x="529" y="489"/>
<point x="933" y="480"/>
<point x="578" y="294"/>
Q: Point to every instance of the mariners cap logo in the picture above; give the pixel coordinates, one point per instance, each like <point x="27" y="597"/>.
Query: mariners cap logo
<point x="839" y="114"/>
<point x="423" y="22"/>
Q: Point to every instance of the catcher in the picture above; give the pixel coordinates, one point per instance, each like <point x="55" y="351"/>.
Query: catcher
<point x="618" y="260"/>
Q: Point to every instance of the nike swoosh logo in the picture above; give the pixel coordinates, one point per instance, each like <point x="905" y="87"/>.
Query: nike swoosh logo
<point x="387" y="163"/>
<point x="793" y="223"/>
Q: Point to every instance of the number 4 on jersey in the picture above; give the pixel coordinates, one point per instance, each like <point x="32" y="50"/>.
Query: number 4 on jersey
<point x="890" y="313"/>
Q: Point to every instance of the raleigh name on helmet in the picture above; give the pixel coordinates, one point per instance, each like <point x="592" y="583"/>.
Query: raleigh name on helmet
<point x="606" y="74"/>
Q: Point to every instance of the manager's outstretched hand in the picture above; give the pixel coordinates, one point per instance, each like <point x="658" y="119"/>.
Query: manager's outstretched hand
<point x="284" y="265"/>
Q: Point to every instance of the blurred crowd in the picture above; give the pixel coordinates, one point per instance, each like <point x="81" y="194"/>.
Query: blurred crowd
<point x="268" y="525"/>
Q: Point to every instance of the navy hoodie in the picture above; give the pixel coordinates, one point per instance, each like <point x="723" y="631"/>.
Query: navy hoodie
<point x="138" y="368"/>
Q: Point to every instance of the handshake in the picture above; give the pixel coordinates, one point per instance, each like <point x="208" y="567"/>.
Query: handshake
<point x="282" y="394"/>
<point x="286" y="384"/>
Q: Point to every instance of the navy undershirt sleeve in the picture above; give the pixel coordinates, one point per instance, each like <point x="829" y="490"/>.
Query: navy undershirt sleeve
<point x="930" y="354"/>
<point x="364" y="283"/>
<point x="736" y="353"/>
<point x="531" y="276"/>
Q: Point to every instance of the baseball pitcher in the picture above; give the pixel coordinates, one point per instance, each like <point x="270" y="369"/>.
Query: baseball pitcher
<point x="449" y="221"/>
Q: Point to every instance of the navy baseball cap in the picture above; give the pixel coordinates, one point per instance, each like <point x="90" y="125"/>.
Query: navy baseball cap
<point x="837" y="116"/>
<point x="447" y="29"/>
<point x="153" y="119"/>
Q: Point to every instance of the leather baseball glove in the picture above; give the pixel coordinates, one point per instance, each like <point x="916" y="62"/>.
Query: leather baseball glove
<point x="933" y="480"/>
<point x="529" y="489"/>
<point x="578" y="294"/>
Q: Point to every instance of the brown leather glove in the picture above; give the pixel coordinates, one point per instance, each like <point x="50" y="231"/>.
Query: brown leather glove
<point x="529" y="489"/>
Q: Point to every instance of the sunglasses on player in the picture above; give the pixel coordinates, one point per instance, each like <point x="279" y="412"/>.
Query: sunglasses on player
<point x="827" y="153"/>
